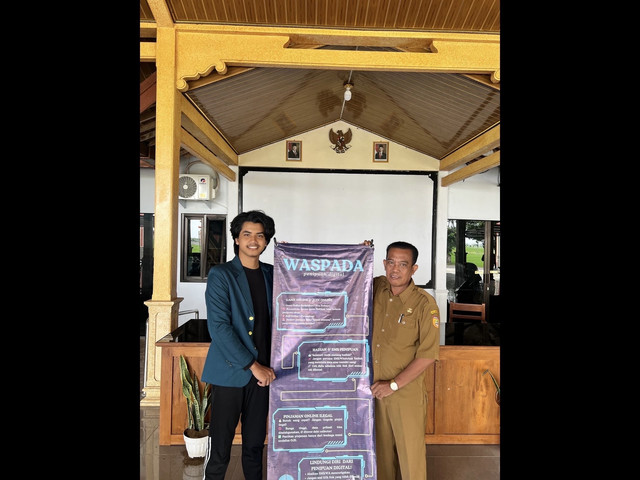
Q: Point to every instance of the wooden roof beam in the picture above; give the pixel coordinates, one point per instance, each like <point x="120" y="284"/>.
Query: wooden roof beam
<point x="161" y="13"/>
<point x="218" y="145"/>
<point x="195" y="148"/>
<point x="148" y="92"/>
<point x="473" y="149"/>
<point x="203" y="48"/>
<point x="148" y="30"/>
<point x="474" y="168"/>
<point x="147" y="52"/>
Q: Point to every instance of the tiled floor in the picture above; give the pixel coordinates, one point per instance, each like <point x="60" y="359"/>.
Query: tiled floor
<point x="444" y="462"/>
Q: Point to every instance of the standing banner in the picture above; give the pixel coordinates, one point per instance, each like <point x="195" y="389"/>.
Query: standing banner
<point x="321" y="411"/>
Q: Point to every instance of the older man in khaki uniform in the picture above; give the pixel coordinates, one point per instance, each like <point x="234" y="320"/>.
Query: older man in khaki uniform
<point x="406" y="340"/>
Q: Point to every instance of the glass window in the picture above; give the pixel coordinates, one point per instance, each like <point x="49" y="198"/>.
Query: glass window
<point x="473" y="264"/>
<point x="204" y="245"/>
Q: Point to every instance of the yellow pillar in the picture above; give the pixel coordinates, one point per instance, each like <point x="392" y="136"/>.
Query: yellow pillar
<point x="163" y="306"/>
<point x="162" y="320"/>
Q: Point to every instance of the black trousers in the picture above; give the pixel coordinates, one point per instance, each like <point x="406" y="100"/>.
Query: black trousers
<point x="249" y="404"/>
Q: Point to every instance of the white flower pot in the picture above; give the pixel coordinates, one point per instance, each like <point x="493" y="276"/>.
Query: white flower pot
<point x="196" y="447"/>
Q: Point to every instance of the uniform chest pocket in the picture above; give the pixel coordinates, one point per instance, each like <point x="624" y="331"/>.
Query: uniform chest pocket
<point x="406" y="330"/>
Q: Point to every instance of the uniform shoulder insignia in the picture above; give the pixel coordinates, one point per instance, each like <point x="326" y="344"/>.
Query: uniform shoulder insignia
<point x="426" y="294"/>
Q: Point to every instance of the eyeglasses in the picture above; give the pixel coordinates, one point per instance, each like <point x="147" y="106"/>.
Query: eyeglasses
<point x="401" y="265"/>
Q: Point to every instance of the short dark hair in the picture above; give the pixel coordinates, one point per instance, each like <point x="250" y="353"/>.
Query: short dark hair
<point x="404" y="246"/>
<point x="253" y="216"/>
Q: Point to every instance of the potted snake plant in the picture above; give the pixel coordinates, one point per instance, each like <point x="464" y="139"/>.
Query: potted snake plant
<point x="197" y="432"/>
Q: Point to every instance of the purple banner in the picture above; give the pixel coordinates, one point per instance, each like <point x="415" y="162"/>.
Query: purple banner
<point x="321" y="424"/>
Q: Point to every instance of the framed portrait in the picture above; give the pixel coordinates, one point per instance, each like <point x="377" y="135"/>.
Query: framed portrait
<point x="294" y="151"/>
<point x="380" y="151"/>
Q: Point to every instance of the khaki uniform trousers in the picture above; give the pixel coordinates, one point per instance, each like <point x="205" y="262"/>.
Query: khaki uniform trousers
<point x="400" y="427"/>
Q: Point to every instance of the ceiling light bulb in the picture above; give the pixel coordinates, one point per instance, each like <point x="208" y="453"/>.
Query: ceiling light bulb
<point x="347" y="91"/>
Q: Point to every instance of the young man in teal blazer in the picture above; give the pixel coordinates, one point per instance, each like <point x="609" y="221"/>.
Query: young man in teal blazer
<point x="238" y="298"/>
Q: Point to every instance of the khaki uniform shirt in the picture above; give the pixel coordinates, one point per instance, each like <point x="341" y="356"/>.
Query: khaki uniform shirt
<point x="405" y="327"/>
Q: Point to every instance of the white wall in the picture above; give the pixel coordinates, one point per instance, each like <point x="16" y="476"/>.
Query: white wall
<point x="477" y="198"/>
<point x="317" y="153"/>
<point x="147" y="190"/>
<point x="193" y="292"/>
<point x="346" y="208"/>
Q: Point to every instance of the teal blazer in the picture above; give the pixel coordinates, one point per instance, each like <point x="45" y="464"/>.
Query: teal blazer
<point x="230" y="319"/>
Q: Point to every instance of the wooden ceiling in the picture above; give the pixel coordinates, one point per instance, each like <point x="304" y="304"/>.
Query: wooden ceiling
<point x="433" y="113"/>
<point x="480" y="16"/>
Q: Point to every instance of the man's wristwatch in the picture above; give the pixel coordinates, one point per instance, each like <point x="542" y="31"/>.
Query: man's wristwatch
<point x="393" y="384"/>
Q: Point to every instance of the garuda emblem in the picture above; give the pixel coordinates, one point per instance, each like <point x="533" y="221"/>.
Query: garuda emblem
<point x="339" y="140"/>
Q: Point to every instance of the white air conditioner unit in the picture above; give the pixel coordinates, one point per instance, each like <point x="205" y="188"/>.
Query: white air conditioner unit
<point x="193" y="186"/>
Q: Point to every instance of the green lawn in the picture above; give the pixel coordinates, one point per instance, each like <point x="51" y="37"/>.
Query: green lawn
<point x="474" y="255"/>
